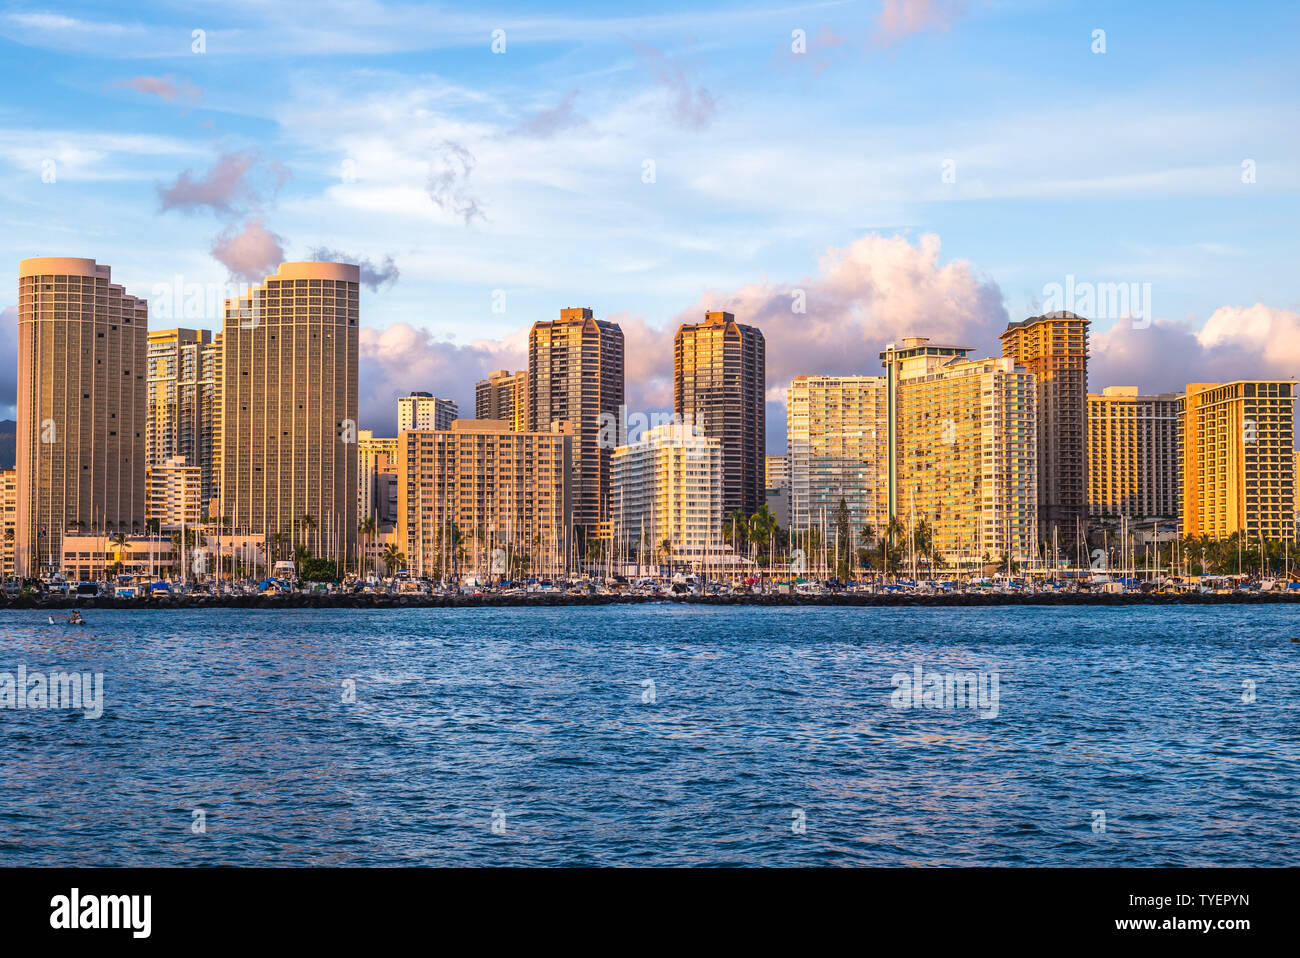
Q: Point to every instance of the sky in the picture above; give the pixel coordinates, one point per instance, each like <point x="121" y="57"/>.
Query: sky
<point x="840" y="174"/>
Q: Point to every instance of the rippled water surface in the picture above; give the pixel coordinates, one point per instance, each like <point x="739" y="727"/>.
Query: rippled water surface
<point x="534" y="719"/>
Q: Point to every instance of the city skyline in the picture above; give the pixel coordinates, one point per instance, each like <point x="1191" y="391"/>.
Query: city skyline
<point x="443" y="169"/>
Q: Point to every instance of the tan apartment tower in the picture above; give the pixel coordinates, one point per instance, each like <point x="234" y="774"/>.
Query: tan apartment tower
<point x="962" y="453"/>
<point x="838" y="429"/>
<point x="182" y="389"/>
<point x="481" y="499"/>
<point x="503" y="396"/>
<point x="1134" y="469"/>
<point x="1238" y="459"/>
<point x="288" y="409"/>
<point x="575" y="375"/>
<point x="81" y="407"/>
<point x="719" y="385"/>
<point x="1054" y="347"/>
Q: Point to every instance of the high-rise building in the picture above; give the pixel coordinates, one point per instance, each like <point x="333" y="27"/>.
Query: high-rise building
<point x="175" y="493"/>
<point x="376" y="479"/>
<point x="667" y="488"/>
<point x="479" y="487"/>
<point x="8" y="521"/>
<point x="1054" y="348"/>
<point x="1238" y="459"/>
<point x="838" y="428"/>
<point x="575" y="375"/>
<point x="719" y="385"/>
<point x="777" y="472"/>
<point x="288" y="410"/>
<point x="424" y="411"/>
<point x="504" y="396"/>
<point x="182" y="388"/>
<point x="962" y="452"/>
<point x="1134" y="470"/>
<point x="81" y="406"/>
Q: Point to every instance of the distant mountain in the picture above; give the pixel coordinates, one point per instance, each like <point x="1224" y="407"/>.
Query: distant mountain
<point x="8" y="430"/>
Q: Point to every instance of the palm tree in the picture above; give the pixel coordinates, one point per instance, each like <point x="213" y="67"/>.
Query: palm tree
<point x="394" y="558"/>
<point x="762" y="525"/>
<point x="667" y="547"/>
<point x="733" y="528"/>
<point x="367" y="529"/>
<point x="308" y="524"/>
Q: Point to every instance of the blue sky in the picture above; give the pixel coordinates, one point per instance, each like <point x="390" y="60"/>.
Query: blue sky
<point x="393" y="133"/>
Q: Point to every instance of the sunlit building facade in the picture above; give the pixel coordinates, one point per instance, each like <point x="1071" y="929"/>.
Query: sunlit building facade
<point x="1134" y="469"/>
<point x="288" y="409"/>
<point x="719" y="385"/>
<point x="182" y="388"/>
<point x="175" y="490"/>
<point x="82" y="407"/>
<point x="575" y="375"/>
<point x="1054" y="347"/>
<point x="963" y="451"/>
<point x="479" y="487"/>
<point x="421" y="410"/>
<point x="666" y="499"/>
<point x="503" y="395"/>
<point x="1238" y="459"/>
<point x="838" y="428"/>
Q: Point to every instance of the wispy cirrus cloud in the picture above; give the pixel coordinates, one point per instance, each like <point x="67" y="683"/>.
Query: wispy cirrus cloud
<point x="373" y="275"/>
<point x="900" y="19"/>
<point x="450" y="169"/>
<point x="690" y="104"/>
<point x="168" y="87"/>
<point x="551" y="122"/>
<point x="237" y="182"/>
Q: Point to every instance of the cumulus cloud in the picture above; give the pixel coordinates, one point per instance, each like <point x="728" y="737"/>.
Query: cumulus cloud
<point x="448" y="184"/>
<point x="236" y="183"/>
<point x="251" y="252"/>
<point x="374" y="275"/>
<point x="899" y="19"/>
<point x="876" y="290"/>
<point x="168" y="87"/>
<point x="1236" y="342"/>
<point x="552" y="122"/>
<point x="399" y="359"/>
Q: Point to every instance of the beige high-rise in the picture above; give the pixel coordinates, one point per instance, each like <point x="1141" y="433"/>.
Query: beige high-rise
<point x="504" y="396"/>
<point x="8" y="520"/>
<point x="1238" y="458"/>
<point x="494" y="488"/>
<point x="175" y="490"/>
<point x="575" y="375"/>
<point x="667" y="488"/>
<point x="1134" y="470"/>
<point x="963" y="453"/>
<point x="288" y="408"/>
<point x="81" y="406"/>
<point x="1054" y="348"/>
<point x="719" y="385"/>
<point x="421" y="410"/>
<point x="182" y="384"/>
<point x="376" y="479"/>
<point x="838" y="428"/>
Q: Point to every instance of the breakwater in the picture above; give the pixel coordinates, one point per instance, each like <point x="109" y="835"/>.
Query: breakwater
<point x="364" y="601"/>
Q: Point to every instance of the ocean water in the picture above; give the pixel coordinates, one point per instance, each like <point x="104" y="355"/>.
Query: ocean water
<point x="657" y="735"/>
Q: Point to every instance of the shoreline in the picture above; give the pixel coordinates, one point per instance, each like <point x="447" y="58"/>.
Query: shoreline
<point x="986" y="600"/>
